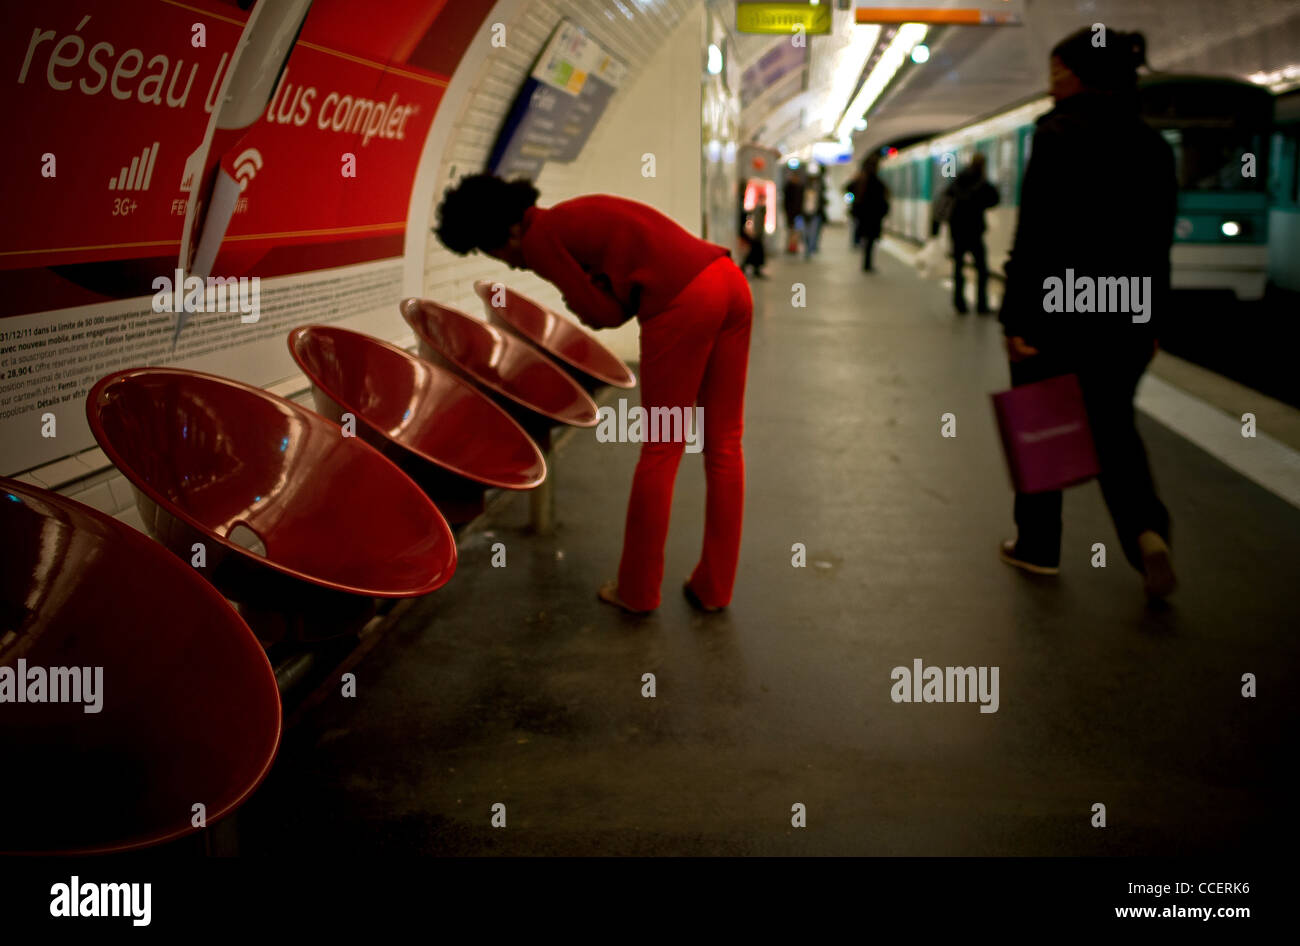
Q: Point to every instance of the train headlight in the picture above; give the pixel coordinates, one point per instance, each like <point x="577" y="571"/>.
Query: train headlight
<point x="1230" y="228"/>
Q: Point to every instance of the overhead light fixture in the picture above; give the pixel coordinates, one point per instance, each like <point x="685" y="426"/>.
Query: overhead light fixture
<point x="860" y="125"/>
<point x="715" y="60"/>
<point x="1280" y="80"/>
<point x="827" y="153"/>
<point x="849" y="63"/>
<point x="891" y="60"/>
<point x="920" y="53"/>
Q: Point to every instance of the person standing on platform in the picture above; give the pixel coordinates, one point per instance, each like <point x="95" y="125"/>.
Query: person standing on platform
<point x="814" y="214"/>
<point x="753" y="225"/>
<point x="966" y="199"/>
<point x="792" y="201"/>
<point x="1119" y="227"/>
<point x="850" y="194"/>
<point x="870" y="207"/>
<point x="614" y="259"/>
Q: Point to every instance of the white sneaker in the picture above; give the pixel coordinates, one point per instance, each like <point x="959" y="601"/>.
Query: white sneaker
<point x="1007" y="552"/>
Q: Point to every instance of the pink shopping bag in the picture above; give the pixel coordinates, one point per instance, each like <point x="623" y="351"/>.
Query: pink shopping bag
<point x="1045" y="435"/>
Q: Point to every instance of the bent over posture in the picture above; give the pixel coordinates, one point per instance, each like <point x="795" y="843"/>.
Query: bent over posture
<point x="613" y="259"/>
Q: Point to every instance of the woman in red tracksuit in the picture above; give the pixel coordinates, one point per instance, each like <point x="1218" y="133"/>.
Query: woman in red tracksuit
<point x="613" y="259"/>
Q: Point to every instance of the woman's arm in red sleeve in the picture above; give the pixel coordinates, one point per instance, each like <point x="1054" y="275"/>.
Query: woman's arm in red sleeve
<point x="551" y="260"/>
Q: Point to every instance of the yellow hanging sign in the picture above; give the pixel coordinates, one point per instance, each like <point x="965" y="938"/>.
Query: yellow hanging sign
<point x="783" y="18"/>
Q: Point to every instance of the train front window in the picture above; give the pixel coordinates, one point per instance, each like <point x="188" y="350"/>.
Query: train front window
<point x="1215" y="159"/>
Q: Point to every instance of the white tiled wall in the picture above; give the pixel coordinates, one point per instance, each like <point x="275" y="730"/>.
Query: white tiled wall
<point x="656" y="110"/>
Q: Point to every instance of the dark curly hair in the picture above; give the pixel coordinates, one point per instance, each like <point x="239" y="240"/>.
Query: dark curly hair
<point x="1111" y="67"/>
<point x="478" y="212"/>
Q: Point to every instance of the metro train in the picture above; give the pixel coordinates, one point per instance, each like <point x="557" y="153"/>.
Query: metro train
<point x="1235" y="146"/>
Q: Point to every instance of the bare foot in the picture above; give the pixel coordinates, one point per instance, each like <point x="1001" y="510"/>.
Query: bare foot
<point x="694" y="599"/>
<point x="608" y="593"/>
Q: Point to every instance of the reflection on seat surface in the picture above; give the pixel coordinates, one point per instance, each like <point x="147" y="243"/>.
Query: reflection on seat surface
<point x="590" y="362"/>
<point x="516" y="373"/>
<point x="184" y="706"/>
<point x="207" y="454"/>
<point x="425" y="409"/>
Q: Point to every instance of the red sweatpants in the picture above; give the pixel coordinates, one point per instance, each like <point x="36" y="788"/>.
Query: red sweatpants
<point x="696" y="351"/>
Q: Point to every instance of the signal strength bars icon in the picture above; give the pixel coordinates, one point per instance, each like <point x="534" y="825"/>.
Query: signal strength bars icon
<point x="136" y="176"/>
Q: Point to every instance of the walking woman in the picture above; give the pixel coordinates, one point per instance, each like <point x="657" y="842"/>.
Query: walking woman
<point x="870" y="206"/>
<point x="613" y="259"/>
<point x="1098" y="202"/>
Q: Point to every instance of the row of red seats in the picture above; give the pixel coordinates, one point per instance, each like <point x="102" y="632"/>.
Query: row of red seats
<point x="285" y="513"/>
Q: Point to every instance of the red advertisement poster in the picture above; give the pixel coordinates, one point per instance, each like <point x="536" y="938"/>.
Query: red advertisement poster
<point x="115" y="99"/>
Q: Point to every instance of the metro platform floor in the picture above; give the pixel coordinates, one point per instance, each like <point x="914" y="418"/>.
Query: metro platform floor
<point x="515" y="685"/>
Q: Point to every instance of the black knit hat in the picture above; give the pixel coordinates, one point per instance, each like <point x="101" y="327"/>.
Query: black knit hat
<point x="1104" y="59"/>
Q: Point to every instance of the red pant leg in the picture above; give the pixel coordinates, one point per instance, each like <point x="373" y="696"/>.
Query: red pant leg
<point x="723" y="398"/>
<point x="676" y="345"/>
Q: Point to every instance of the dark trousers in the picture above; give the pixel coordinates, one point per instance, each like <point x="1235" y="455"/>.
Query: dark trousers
<point x="868" y="246"/>
<point x="1126" y="484"/>
<point x="974" y="245"/>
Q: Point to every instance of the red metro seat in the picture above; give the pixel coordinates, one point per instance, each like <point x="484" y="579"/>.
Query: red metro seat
<point x="450" y="438"/>
<point x="521" y="379"/>
<point x="590" y="362"/>
<point x="213" y="460"/>
<point x="188" y="710"/>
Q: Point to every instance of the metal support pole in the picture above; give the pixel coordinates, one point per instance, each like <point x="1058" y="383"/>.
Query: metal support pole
<point x="541" y="500"/>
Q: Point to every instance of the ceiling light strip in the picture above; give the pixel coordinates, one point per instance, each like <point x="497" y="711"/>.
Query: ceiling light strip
<point x="890" y="62"/>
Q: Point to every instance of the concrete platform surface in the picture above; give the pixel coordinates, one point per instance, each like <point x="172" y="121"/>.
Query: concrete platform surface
<point x="513" y="685"/>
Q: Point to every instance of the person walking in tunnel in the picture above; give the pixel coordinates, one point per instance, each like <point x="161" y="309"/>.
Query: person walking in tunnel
<point x="752" y="225"/>
<point x="814" y="214"/>
<point x="850" y="194"/>
<point x="792" y="203"/>
<point x="966" y="199"/>
<point x="1098" y="203"/>
<point x="613" y="259"/>
<point x="870" y="207"/>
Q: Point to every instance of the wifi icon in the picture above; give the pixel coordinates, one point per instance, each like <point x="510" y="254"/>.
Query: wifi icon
<point x="246" y="167"/>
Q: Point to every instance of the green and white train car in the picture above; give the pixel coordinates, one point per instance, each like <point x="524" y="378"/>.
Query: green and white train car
<point x="1221" y="131"/>
<point x="1284" y="195"/>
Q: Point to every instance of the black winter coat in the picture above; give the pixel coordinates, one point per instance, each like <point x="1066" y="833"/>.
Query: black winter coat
<point x="1099" y="198"/>
<point x="792" y="198"/>
<point x="870" y="205"/>
<point x="971" y="194"/>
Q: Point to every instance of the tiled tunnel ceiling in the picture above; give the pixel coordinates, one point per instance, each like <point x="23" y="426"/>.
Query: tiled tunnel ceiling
<point x="977" y="70"/>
